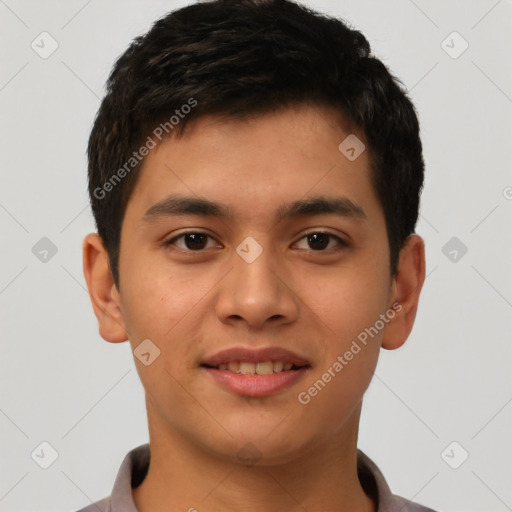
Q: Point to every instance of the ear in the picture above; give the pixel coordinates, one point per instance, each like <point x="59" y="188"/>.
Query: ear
<point x="103" y="292"/>
<point x="405" y="292"/>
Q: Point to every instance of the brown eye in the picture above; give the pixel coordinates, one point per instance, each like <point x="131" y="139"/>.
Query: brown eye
<point x="318" y="241"/>
<point x="191" y="241"/>
<point x="195" y="241"/>
<point x="321" y="241"/>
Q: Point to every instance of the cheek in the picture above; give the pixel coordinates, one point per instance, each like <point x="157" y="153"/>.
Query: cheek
<point x="346" y="303"/>
<point x="350" y="304"/>
<point x="161" y="305"/>
<point x="165" y="305"/>
<point x="346" y="365"/>
<point x="153" y="296"/>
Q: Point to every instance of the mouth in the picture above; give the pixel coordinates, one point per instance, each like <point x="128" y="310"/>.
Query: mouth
<point x="257" y="373"/>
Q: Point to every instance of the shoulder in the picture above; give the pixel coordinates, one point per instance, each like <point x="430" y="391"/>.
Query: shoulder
<point x="131" y="473"/>
<point x="403" y="505"/>
<point x="375" y="485"/>
<point x="99" y="506"/>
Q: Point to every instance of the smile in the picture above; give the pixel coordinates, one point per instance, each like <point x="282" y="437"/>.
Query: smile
<point x="255" y="372"/>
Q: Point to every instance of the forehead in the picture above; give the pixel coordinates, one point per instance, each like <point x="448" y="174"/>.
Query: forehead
<point x="256" y="167"/>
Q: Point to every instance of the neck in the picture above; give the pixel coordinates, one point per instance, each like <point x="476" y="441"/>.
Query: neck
<point x="186" y="477"/>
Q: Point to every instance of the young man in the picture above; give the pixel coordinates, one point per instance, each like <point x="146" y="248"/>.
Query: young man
<point x="255" y="177"/>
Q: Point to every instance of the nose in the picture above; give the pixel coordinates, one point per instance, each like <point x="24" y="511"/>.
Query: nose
<point x="257" y="293"/>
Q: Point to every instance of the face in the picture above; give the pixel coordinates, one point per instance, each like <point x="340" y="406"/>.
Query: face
<point x="235" y="291"/>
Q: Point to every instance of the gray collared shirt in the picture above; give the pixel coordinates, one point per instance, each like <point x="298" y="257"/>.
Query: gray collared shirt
<point x="135" y="465"/>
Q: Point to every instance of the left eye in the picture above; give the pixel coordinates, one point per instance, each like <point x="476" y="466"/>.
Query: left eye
<point x="320" y="241"/>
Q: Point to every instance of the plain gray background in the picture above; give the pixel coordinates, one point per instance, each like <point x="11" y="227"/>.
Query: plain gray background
<point x="451" y="382"/>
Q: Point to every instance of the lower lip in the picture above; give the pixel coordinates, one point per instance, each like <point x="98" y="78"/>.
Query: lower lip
<point x="256" y="385"/>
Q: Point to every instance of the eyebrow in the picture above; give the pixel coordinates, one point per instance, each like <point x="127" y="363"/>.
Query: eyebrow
<point x="176" y="205"/>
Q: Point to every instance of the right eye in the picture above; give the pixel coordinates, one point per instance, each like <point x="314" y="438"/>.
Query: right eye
<point x="192" y="241"/>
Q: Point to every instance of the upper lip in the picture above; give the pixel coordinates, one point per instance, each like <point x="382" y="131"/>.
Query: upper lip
<point x="253" y="355"/>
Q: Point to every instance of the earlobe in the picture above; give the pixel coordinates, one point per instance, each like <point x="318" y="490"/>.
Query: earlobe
<point x="103" y="293"/>
<point x="406" y="289"/>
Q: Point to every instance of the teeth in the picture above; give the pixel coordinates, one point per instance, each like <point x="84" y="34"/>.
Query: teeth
<point x="278" y="366"/>
<point x="266" y="368"/>
<point x="247" y="368"/>
<point x="233" y="366"/>
<point x="261" y="368"/>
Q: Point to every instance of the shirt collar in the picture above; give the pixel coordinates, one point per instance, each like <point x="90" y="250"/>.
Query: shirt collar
<point x="135" y="465"/>
<point x="132" y="472"/>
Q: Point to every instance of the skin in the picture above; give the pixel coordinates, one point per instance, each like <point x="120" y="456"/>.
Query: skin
<point x="313" y="302"/>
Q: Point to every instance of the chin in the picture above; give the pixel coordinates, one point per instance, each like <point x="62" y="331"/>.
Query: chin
<point x="261" y="443"/>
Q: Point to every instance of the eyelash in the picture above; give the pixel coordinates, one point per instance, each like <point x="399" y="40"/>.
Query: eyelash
<point x="341" y="242"/>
